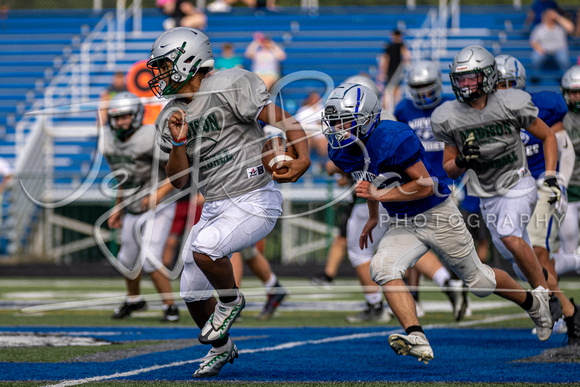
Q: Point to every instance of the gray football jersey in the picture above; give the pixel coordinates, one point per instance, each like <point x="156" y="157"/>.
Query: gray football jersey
<point x="571" y="123"/>
<point x="136" y="157"/>
<point x="496" y="128"/>
<point x="224" y="138"/>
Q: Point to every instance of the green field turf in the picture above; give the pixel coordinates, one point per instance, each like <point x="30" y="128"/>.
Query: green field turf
<point x="105" y="294"/>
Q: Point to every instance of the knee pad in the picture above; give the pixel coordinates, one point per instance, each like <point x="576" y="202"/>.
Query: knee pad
<point x="208" y="241"/>
<point x="248" y="253"/>
<point x="484" y="283"/>
<point x="382" y="273"/>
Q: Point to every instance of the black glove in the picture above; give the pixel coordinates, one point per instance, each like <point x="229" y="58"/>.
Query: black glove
<point x="469" y="152"/>
<point x="552" y="184"/>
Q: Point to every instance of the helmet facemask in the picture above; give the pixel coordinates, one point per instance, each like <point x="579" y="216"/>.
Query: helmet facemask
<point x="425" y="96"/>
<point x="573" y="106"/>
<point x="570" y="83"/>
<point x="120" y="132"/>
<point x="473" y="91"/>
<point x="167" y="79"/>
<point x="123" y="104"/>
<point x="342" y="130"/>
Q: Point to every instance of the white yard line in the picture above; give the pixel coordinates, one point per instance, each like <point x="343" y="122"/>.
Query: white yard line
<point x="280" y="347"/>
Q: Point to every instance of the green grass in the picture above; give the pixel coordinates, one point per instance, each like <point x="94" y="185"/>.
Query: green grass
<point x="62" y="354"/>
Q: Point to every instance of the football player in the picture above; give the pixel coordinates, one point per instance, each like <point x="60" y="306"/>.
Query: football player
<point x="570" y="86"/>
<point x="130" y="150"/>
<point x="211" y="133"/>
<point x="425" y="89"/>
<point x="388" y="162"/>
<point x="481" y="132"/>
<point x="548" y="215"/>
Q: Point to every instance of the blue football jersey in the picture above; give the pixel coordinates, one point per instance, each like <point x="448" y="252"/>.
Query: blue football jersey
<point x="420" y="121"/>
<point x="552" y="108"/>
<point x="391" y="148"/>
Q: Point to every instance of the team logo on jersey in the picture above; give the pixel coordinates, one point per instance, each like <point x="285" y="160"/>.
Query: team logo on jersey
<point x="525" y="137"/>
<point x="255" y="171"/>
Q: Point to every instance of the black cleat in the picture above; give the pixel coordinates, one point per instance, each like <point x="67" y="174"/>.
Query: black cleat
<point x="275" y="298"/>
<point x="126" y="309"/>
<point x="171" y="314"/>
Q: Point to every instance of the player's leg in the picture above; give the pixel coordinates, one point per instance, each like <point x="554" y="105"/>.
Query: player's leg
<point x="430" y="266"/>
<point x="567" y="259"/>
<point x="275" y="292"/>
<point x="361" y="259"/>
<point x="398" y="250"/>
<point x="155" y="232"/>
<point x="228" y="226"/>
<point x="337" y="251"/>
<point x="507" y="218"/>
<point x="238" y="267"/>
<point x="453" y="243"/>
<point x="129" y="257"/>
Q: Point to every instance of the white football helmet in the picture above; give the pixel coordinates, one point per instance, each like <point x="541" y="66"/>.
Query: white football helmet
<point x="365" y="81"/>
<point x="352" y="111"/>
<point x="511" y="70"/>
<point x="125" y="103"/>
<point x="176" y="56"/>
<point x="571" y="82"/>
<point x="473" y="63"/>
<point x="424" y="81"/>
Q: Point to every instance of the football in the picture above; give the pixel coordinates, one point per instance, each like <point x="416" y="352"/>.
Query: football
<point x="275" y="151"/>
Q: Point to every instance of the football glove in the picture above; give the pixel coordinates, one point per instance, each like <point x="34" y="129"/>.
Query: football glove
<point x="469" y="152"/>
<point x="551" y="183"/>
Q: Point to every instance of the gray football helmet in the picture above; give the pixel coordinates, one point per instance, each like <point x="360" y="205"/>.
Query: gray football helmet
<point x="425" y="86"/>
<point x="473" y="63"/>
<point x="571" y="82"/>
<point x="176" y="56"/>
<point x="352" y="111"/>
<point x="365" y="81"/>
<point x="125" y="103"/>
<point x="511" y="70"/>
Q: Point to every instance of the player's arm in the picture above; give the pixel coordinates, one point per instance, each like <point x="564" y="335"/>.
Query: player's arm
<point x="367" y="232"/>
<point x="420" y="186"/>
<point x="450" y="153"/>
<point x="178" y="164"/>
<point x="115" y="219"/>
<point x="566" y="153"/>
<point x="276" y="116"/>
<point x="542" y="132"/>
<point x="151" y="201"/>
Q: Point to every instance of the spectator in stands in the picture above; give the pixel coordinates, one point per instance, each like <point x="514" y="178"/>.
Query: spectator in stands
<point x="396" y="54"/>
<point x="6" y="173"/>
<point x="226" y="5"/>
<point x="266" y="56"/>
<point x="549" y="39"/>
<point x="117" y="85"/>
<point x="534" y="15"/>
<point x="228" y="59"/>
<point x="182" y="13"/>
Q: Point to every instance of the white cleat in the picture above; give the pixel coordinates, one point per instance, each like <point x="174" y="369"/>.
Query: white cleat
<point x="411" y="345"/>
<point x="220" y="322"/>
<point x="540" y="313"/>
<point x="213" y="362"/>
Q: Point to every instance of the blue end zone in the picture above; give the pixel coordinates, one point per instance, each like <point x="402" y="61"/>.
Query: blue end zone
<point x="316" y="354"/>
